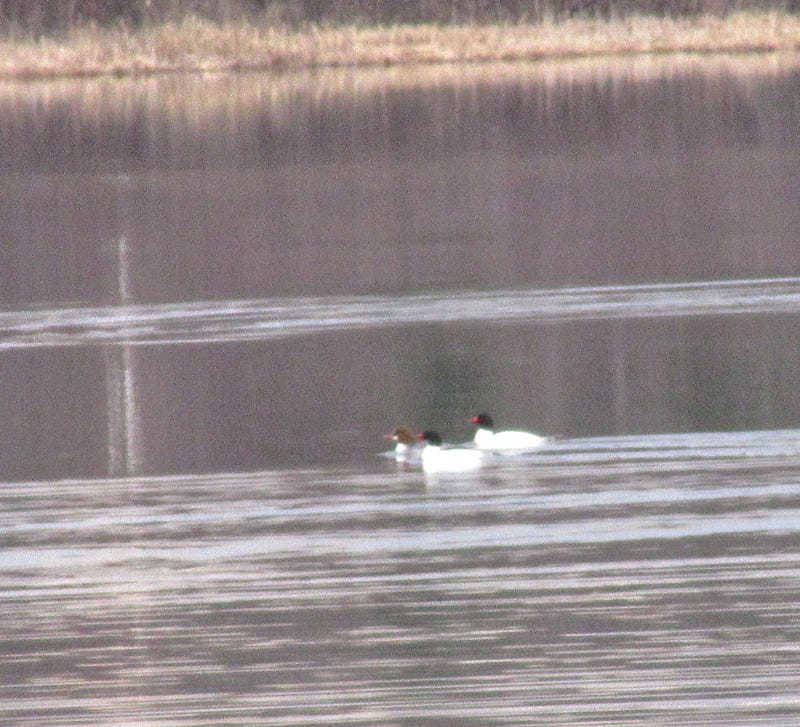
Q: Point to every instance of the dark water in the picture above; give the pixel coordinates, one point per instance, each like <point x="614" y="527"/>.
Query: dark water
<point x="219" y="292"/>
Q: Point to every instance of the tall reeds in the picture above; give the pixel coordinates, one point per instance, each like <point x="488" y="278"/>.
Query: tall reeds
<point x="195" y="43"/>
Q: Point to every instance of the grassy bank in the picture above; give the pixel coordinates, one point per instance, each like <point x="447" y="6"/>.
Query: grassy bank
<point x="193" y="44"/>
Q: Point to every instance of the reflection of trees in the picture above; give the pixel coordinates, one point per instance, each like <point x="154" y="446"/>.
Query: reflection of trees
<point x="674" y="375"/>
<point x="121" y="410"/>
<point x="53" y="15"/>
<point x="735" y="374"/>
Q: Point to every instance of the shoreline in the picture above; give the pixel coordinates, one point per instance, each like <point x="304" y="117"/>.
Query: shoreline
<point x="193" y="45"/>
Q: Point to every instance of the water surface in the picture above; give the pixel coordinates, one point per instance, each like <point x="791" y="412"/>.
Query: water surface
<point x="607" y="581"/>
<point x="219" y="292"/>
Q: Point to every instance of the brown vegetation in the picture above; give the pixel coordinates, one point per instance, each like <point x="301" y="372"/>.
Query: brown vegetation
<point x="242" y="41"/>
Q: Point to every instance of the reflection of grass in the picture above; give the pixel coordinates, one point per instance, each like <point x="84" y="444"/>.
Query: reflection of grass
<point x="288" y="98"/>
<point x="197" y="45"/>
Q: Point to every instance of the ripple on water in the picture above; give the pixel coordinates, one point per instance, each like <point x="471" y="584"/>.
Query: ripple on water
<point x="245" y="320"/>
<point x="605" y="581"/>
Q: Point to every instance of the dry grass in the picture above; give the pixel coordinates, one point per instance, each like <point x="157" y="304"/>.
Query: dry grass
<point x="197" y="45"/>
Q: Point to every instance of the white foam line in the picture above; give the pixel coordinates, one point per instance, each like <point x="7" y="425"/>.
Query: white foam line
<point x="241" y="320"/>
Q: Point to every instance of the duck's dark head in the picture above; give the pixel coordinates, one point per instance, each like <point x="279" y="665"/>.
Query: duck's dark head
<point x="431" y="437"/>
<point x="483" y="420"/>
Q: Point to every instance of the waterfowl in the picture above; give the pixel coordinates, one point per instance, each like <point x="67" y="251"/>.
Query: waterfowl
<point x="436" y="459"/>
<point x="505" y="441"/>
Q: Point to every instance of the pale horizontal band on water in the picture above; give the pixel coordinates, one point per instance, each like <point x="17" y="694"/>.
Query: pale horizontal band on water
<point x="246" y="320"/>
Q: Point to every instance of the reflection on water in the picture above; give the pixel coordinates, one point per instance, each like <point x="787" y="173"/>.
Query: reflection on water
<point x="316" y="382"/>
<point x="430" y="234"/>
<point x="534" y="176"/>
<point x="608" y="581"/>
<point x="259" y="275"/>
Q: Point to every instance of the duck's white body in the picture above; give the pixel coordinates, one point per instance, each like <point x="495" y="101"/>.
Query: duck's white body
<point x="507" y="441"/>
<point x="436" y="459"/>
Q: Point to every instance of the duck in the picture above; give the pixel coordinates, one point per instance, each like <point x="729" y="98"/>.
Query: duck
<point x="407" y="444"/>
<point x="510" y="440"/>
<point x="436" y="459"/>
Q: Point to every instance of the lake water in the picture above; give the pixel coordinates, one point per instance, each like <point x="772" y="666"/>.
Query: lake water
<point x="219" y="292"/>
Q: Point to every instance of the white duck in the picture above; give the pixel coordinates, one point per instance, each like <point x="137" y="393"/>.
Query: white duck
<point x="506" y="441"/>
<point x="436" y="459"/>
